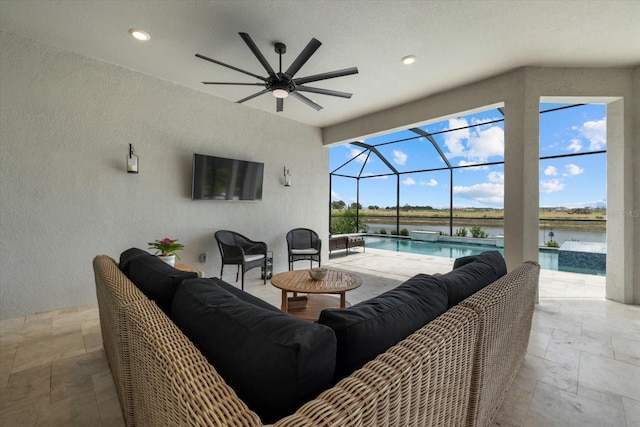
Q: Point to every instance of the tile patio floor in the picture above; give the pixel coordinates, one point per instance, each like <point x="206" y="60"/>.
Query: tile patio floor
<point x="582" y="366"/>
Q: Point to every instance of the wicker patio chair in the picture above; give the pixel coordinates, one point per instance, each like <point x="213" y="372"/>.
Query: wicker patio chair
<point x="236" y="249"/>
<point x="303" y="244"/>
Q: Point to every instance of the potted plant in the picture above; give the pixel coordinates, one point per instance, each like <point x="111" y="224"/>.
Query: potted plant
<point x="166" y="249"/>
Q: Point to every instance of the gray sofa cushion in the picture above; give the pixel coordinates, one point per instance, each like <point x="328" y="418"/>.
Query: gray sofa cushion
<point x="245" y="296"/>
<point x="274" y="361"/>
<point x="369" y="328"/>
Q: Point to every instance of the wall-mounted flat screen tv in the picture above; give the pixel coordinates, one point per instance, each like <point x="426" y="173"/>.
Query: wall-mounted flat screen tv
<point x="219" y="178"/>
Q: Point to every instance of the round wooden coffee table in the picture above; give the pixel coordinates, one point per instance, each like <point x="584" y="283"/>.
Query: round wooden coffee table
<point x="299" y="281"/>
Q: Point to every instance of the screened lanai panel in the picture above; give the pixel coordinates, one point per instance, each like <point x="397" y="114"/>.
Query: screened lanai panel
<point x="565" y="181"/>
<point x="426" y="189"/>
<point x="343" y="189"/>
<point x="410" y="155"/>
<point x="359" y="162"/>
<point x="472" y="139"/>
<point x="378" y="192"/>
<point x="479" y="187"/>
<point x="578" y="129"/>
<point x="347" y="160"/>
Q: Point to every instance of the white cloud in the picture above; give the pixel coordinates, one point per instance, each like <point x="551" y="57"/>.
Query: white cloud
<point x="409" y="181"/>
<point x="353" y="152"/>
<point x="596" y="133"/>
<point x="431" y="183"/>
<point x="453" y="140"/>
<point x="497" y="177"/>
<point x="551" y="186"/>
<point x="487" y="193"/>
<point x="335" y="196"/>
<point x="573" y="169"/>
<point x="399" y="157"/>
<point x="475" y="145"/>
<point x="575" y="145"/>
<point x="486" y="143"/>
<point x="551" y="171"/>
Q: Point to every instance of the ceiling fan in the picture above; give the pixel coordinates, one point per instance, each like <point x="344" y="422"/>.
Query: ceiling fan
<point x="284" y="84"/>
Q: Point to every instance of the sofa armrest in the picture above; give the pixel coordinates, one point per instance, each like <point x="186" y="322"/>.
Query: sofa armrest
<point x="115" y="292"/>
<point x="505" y="312"/>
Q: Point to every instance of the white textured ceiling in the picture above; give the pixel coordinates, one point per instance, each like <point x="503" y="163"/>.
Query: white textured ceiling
<point x="456" y="42"/>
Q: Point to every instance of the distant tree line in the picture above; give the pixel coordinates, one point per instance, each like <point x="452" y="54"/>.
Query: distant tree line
<point x="340" y="205"/>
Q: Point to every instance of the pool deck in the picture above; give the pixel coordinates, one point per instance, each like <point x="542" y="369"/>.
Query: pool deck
<point x="386" y="269"/>
<point x="402" y="265"/>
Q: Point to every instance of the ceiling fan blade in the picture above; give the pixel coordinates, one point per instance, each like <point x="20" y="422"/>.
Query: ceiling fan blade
<point x="304" y="56"/>
<point x="231" y="66"/>
<point x="323" y="91"/>
<point x="325" y="76"/>
<point x="306" y="100"/>
<point x="227" y="83"/>
<point x="252" y="96"/>
<point x="279" y="104"/>
<point x="247" y="39"/>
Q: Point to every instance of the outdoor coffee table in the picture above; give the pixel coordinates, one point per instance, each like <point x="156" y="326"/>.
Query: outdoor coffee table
<point x="298" y="281"/>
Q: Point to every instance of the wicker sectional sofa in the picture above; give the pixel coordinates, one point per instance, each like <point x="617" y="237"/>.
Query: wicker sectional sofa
<point x="453" y="371"/>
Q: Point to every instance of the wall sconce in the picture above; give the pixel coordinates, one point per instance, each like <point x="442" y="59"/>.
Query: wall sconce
<point x="132" y="161"/>
<point x="287" y="177"/>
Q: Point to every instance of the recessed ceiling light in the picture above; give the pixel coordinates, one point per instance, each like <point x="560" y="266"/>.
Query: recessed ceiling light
<point x="139" y="34"/>
<point x="409" y="59"/>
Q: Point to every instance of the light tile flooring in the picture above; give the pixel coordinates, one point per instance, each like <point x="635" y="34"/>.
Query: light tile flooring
<point x="582" y="366"/>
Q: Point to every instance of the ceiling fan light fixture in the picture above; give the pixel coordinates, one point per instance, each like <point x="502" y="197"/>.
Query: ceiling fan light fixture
<point x="139" y="34"/>
<point x="409" y="59"/>
<point x="280" y="93"/>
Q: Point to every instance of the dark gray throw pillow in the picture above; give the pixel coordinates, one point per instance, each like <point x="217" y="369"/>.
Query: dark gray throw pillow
<point x="493" y="258"/>
<point x="274" y="361"/>
<point x="472" y="273"/>
<point x="371" y="327"/>
<point x="127" y="256"/>
<point x="157" y="279"/>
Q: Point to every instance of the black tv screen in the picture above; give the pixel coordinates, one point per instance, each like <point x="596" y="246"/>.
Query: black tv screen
<point x="219" y="178"/>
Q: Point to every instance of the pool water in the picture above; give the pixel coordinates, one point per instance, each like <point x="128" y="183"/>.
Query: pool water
<point x="547" y="258"/>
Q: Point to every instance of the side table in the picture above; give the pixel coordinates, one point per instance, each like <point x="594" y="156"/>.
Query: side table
<point x="184" y="267"/>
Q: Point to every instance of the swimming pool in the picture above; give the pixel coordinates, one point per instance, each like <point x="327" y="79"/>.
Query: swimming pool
<point x="548" y="258"/>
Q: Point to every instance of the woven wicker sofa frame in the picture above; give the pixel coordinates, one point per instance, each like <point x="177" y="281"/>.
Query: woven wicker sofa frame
<point x="454" y="371"/>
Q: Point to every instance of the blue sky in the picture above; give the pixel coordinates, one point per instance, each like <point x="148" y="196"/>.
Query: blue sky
<point x="569" y="182"/>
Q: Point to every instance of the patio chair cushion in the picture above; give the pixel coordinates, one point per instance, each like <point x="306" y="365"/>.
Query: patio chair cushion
<point x="309" y="251"/>
<point x="274" y="361"/>
<point x="371" y="327"/>
<point x="157" y="279"/>
<point x="472" y="273"/>
<point x="249" y="258"/>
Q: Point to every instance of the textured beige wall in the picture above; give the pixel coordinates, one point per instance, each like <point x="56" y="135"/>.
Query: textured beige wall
<point x="65" y="125"/>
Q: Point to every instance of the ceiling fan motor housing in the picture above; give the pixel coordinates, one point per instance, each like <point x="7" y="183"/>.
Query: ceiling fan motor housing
<point x="280" y="82"/>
